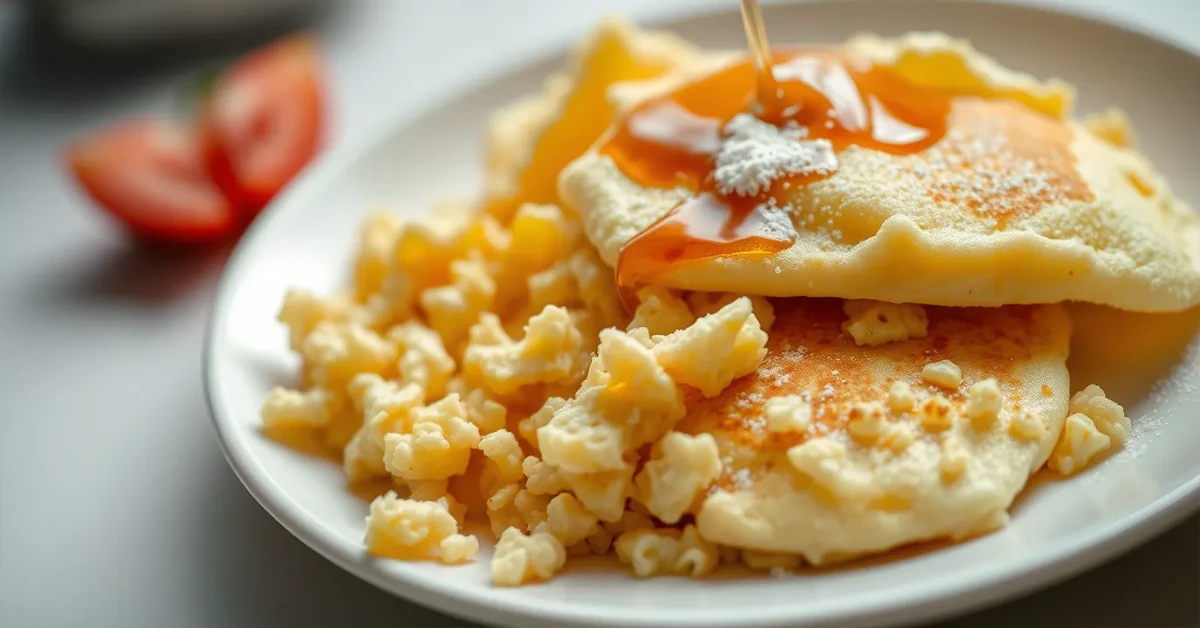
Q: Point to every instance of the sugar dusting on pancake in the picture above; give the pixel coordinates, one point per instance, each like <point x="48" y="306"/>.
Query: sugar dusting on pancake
<point x="1015" y="204"/>
<point x="999" y="162"/>
<point x="900" y="495"/>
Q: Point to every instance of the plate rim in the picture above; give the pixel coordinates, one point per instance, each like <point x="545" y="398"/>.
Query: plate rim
<point x="951" y="594"/>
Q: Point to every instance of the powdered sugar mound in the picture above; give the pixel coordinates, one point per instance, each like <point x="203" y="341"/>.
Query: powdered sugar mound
<point x="755" y="154"/>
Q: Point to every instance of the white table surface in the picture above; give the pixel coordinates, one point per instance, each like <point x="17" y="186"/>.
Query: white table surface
<point x="116" y="506"/>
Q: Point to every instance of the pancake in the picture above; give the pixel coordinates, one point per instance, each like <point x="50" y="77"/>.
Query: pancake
<point x="853" y="485"/>
<point x="532" y="139"/>
<point x="1014" y="204"/>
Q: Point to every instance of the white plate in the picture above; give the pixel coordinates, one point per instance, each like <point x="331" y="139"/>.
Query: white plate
<point x="1058" y="528"/>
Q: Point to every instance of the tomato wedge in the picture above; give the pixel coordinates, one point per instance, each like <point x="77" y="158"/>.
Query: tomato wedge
<point x="263" y="121"/>
<point x="148" y="173"/>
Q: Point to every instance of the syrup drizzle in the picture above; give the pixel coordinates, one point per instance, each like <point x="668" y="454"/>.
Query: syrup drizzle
<point x="671" y="142"/>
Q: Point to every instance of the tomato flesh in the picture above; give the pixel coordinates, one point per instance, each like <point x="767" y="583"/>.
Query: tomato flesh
<point x="263" y="122"/>
<point x="149" y="175"/>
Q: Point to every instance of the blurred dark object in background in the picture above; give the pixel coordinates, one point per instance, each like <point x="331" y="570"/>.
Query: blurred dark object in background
<point x="60" y="58"/>
<point x="123" y="24"/>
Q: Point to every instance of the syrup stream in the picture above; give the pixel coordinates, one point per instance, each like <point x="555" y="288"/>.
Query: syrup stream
<point x="760" y="50"/>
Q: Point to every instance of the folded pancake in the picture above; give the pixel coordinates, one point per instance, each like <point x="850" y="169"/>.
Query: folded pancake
<point x="832" y="449"/>
<point x="985" y="194"/>
<point x="532" y="139"/>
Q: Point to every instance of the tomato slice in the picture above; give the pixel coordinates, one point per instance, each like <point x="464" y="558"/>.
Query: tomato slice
<point x="148" y="173"/>
<point x="263" y="121"/>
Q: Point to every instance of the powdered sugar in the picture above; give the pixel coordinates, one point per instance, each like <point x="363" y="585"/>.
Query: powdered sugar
<point x="749" y="400"/>
<point x="980" y="168"/>
<point x="756" y="154"/>
<point x="775" y="375"/>
<point x="781" y="572"/>
<point x="1167" y="395"/>
<point x="741" y="479"/>
<point x="777" y="223"/>
<point x="790" y="353"/>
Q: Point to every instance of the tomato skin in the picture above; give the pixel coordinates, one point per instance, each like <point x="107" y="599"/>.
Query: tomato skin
<point x="264" y="121"/>
<point x="148" y="174"/>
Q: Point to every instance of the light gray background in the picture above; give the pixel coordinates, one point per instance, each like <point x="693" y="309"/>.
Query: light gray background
<point x="116" y="506"/>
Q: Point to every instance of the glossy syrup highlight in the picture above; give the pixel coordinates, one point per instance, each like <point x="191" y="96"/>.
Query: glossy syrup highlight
<point x="671" y="142"/>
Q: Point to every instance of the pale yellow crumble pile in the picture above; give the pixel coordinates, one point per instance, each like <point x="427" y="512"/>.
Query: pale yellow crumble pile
<point x="487" y="372"/>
